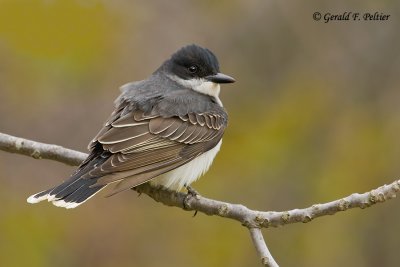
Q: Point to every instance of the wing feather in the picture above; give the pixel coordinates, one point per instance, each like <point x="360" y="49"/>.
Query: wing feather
<point x="142" y="145"/>
<point x="127" y="120"/>
<point x="192" y="118"/>
<point x="208" y="121"/>
<point x="126" y="145"/>
<point x="200" y="119"/>
<point x="160" y="124"/>
<point x="179" y="132"/>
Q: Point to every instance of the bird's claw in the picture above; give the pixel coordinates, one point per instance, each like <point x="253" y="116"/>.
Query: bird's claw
<point x="191" y="193"/>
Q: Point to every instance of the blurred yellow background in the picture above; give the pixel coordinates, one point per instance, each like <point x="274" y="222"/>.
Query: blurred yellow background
<point x="314" y="116"/>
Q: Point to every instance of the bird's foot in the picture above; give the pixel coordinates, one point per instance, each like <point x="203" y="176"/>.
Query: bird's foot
<point x="191" y="193"/>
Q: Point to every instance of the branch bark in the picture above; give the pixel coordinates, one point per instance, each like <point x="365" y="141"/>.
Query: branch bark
<point x="261" y="247"/>
<point x="252" y="219"/>
<point x="38" y="150"/>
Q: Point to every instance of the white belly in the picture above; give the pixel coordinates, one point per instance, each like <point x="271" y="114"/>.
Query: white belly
<point x="188" y="173"/>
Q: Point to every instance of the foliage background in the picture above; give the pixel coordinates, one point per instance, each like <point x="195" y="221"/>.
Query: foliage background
<point x="314" y="116"/>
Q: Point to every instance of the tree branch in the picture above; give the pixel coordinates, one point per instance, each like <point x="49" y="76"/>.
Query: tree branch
<point x="38" y="150"/>
<point x="261" y="247"/>
<point x="252" y="219"/>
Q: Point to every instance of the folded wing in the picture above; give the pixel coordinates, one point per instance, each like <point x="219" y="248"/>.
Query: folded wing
<point x="143" y="146"/>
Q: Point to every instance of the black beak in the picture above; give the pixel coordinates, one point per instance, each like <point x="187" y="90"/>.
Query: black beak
<point x="220" y="78"/>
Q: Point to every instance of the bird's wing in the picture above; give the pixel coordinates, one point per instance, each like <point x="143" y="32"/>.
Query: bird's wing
<point x="142" y="146"/>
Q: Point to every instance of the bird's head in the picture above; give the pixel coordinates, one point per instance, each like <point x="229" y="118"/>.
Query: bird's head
<point x="197" y="68"/>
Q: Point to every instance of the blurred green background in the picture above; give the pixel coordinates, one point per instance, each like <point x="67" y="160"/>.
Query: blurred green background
<point x="314" y="116"/>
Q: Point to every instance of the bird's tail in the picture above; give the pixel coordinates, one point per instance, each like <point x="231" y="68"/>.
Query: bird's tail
<point x="70" y="193"/>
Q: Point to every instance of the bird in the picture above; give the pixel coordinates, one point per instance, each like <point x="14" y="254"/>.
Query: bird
<point x="165" y="130"/>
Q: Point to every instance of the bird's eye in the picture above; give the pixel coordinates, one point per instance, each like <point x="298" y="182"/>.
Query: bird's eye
<point x="193" y="69"/>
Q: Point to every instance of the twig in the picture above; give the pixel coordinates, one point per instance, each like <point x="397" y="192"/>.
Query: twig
<point x="261" y="247"/>
<point x="252" y="219"/>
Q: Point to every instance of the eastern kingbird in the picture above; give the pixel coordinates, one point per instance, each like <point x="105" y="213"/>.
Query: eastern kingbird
<point x="166" y="130"/>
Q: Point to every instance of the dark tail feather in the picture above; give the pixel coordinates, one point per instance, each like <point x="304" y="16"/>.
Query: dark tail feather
<point x="70" y="193"/>
<point x="76" y="189"/>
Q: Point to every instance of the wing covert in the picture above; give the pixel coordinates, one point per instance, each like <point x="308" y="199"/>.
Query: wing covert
<point x="143" y="145"/>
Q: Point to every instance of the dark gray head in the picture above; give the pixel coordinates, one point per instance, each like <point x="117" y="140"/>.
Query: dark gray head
<point x="193" y="62"/>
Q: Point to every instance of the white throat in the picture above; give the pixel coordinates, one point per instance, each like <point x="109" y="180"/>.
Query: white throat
<point x="200" y="85"/>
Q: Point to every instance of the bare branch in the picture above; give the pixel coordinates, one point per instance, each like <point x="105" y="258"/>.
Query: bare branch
<point x="252" y="219"/>
<point x="261" y="247"/>
<point x="40" y="150"/>
<point x="264" y="219"/>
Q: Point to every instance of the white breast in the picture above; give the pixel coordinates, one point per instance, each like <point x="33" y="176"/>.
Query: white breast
<point x="188" y="173"/>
